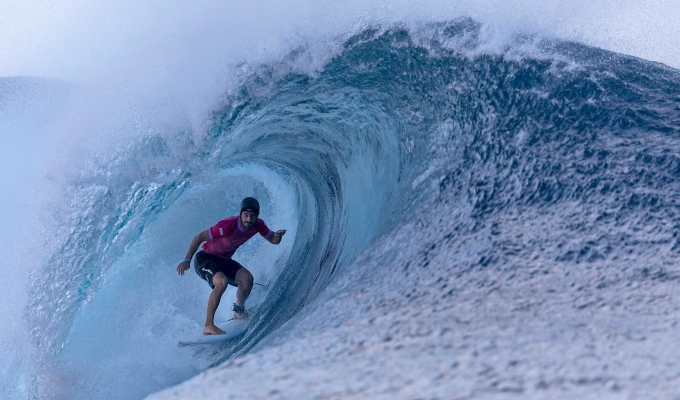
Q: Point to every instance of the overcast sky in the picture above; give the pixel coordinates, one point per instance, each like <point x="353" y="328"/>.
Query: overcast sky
<point x="83" y="39"/>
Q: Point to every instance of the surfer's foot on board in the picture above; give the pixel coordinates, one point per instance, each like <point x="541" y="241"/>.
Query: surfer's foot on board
<point x="212" y="330"/>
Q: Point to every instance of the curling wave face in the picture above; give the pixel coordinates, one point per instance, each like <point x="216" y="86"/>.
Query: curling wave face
<point x="411" y="162"/>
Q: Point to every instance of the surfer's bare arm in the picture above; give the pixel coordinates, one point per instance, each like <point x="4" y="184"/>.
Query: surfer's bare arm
<point x="198" y="239"/>
<point x="276" y="237"/>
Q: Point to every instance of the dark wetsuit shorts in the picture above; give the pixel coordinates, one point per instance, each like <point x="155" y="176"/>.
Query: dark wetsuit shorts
<point x="207" y="265"/>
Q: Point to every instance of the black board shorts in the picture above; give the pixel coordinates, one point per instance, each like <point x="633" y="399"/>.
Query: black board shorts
<point x="207" y="265"/>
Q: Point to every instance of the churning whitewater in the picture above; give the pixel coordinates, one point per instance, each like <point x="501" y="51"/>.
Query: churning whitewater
<point x="464" y="223"/>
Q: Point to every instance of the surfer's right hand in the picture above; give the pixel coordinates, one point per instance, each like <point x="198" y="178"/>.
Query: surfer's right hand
<point x="183" y="266"/>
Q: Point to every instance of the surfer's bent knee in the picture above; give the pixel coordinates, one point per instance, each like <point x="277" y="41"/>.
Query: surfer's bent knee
<point x="220" y="281"/>
<point x="244" y="277"/>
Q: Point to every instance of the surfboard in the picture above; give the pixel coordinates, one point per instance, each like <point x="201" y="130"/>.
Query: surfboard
<point x="232" y="329"/>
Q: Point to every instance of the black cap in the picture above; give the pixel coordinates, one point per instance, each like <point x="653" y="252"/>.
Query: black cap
<point x="250" y="204"/>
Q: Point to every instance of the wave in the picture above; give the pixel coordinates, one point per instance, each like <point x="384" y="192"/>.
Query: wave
<point x="413" y="159"/>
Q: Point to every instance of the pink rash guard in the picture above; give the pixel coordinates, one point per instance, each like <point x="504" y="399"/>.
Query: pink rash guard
<point x="228" y="235"/>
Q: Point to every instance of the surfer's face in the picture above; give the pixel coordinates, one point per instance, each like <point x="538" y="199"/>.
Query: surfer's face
<point x="248" y="219"/>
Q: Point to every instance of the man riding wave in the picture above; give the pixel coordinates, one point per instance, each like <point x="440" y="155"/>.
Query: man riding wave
<point x="215" y="265"/>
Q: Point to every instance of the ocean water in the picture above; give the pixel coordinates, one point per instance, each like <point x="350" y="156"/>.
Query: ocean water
<point x="465" y="221"/>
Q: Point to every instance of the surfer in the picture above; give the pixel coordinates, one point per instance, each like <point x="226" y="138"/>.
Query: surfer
<point x="215" y="265"/>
